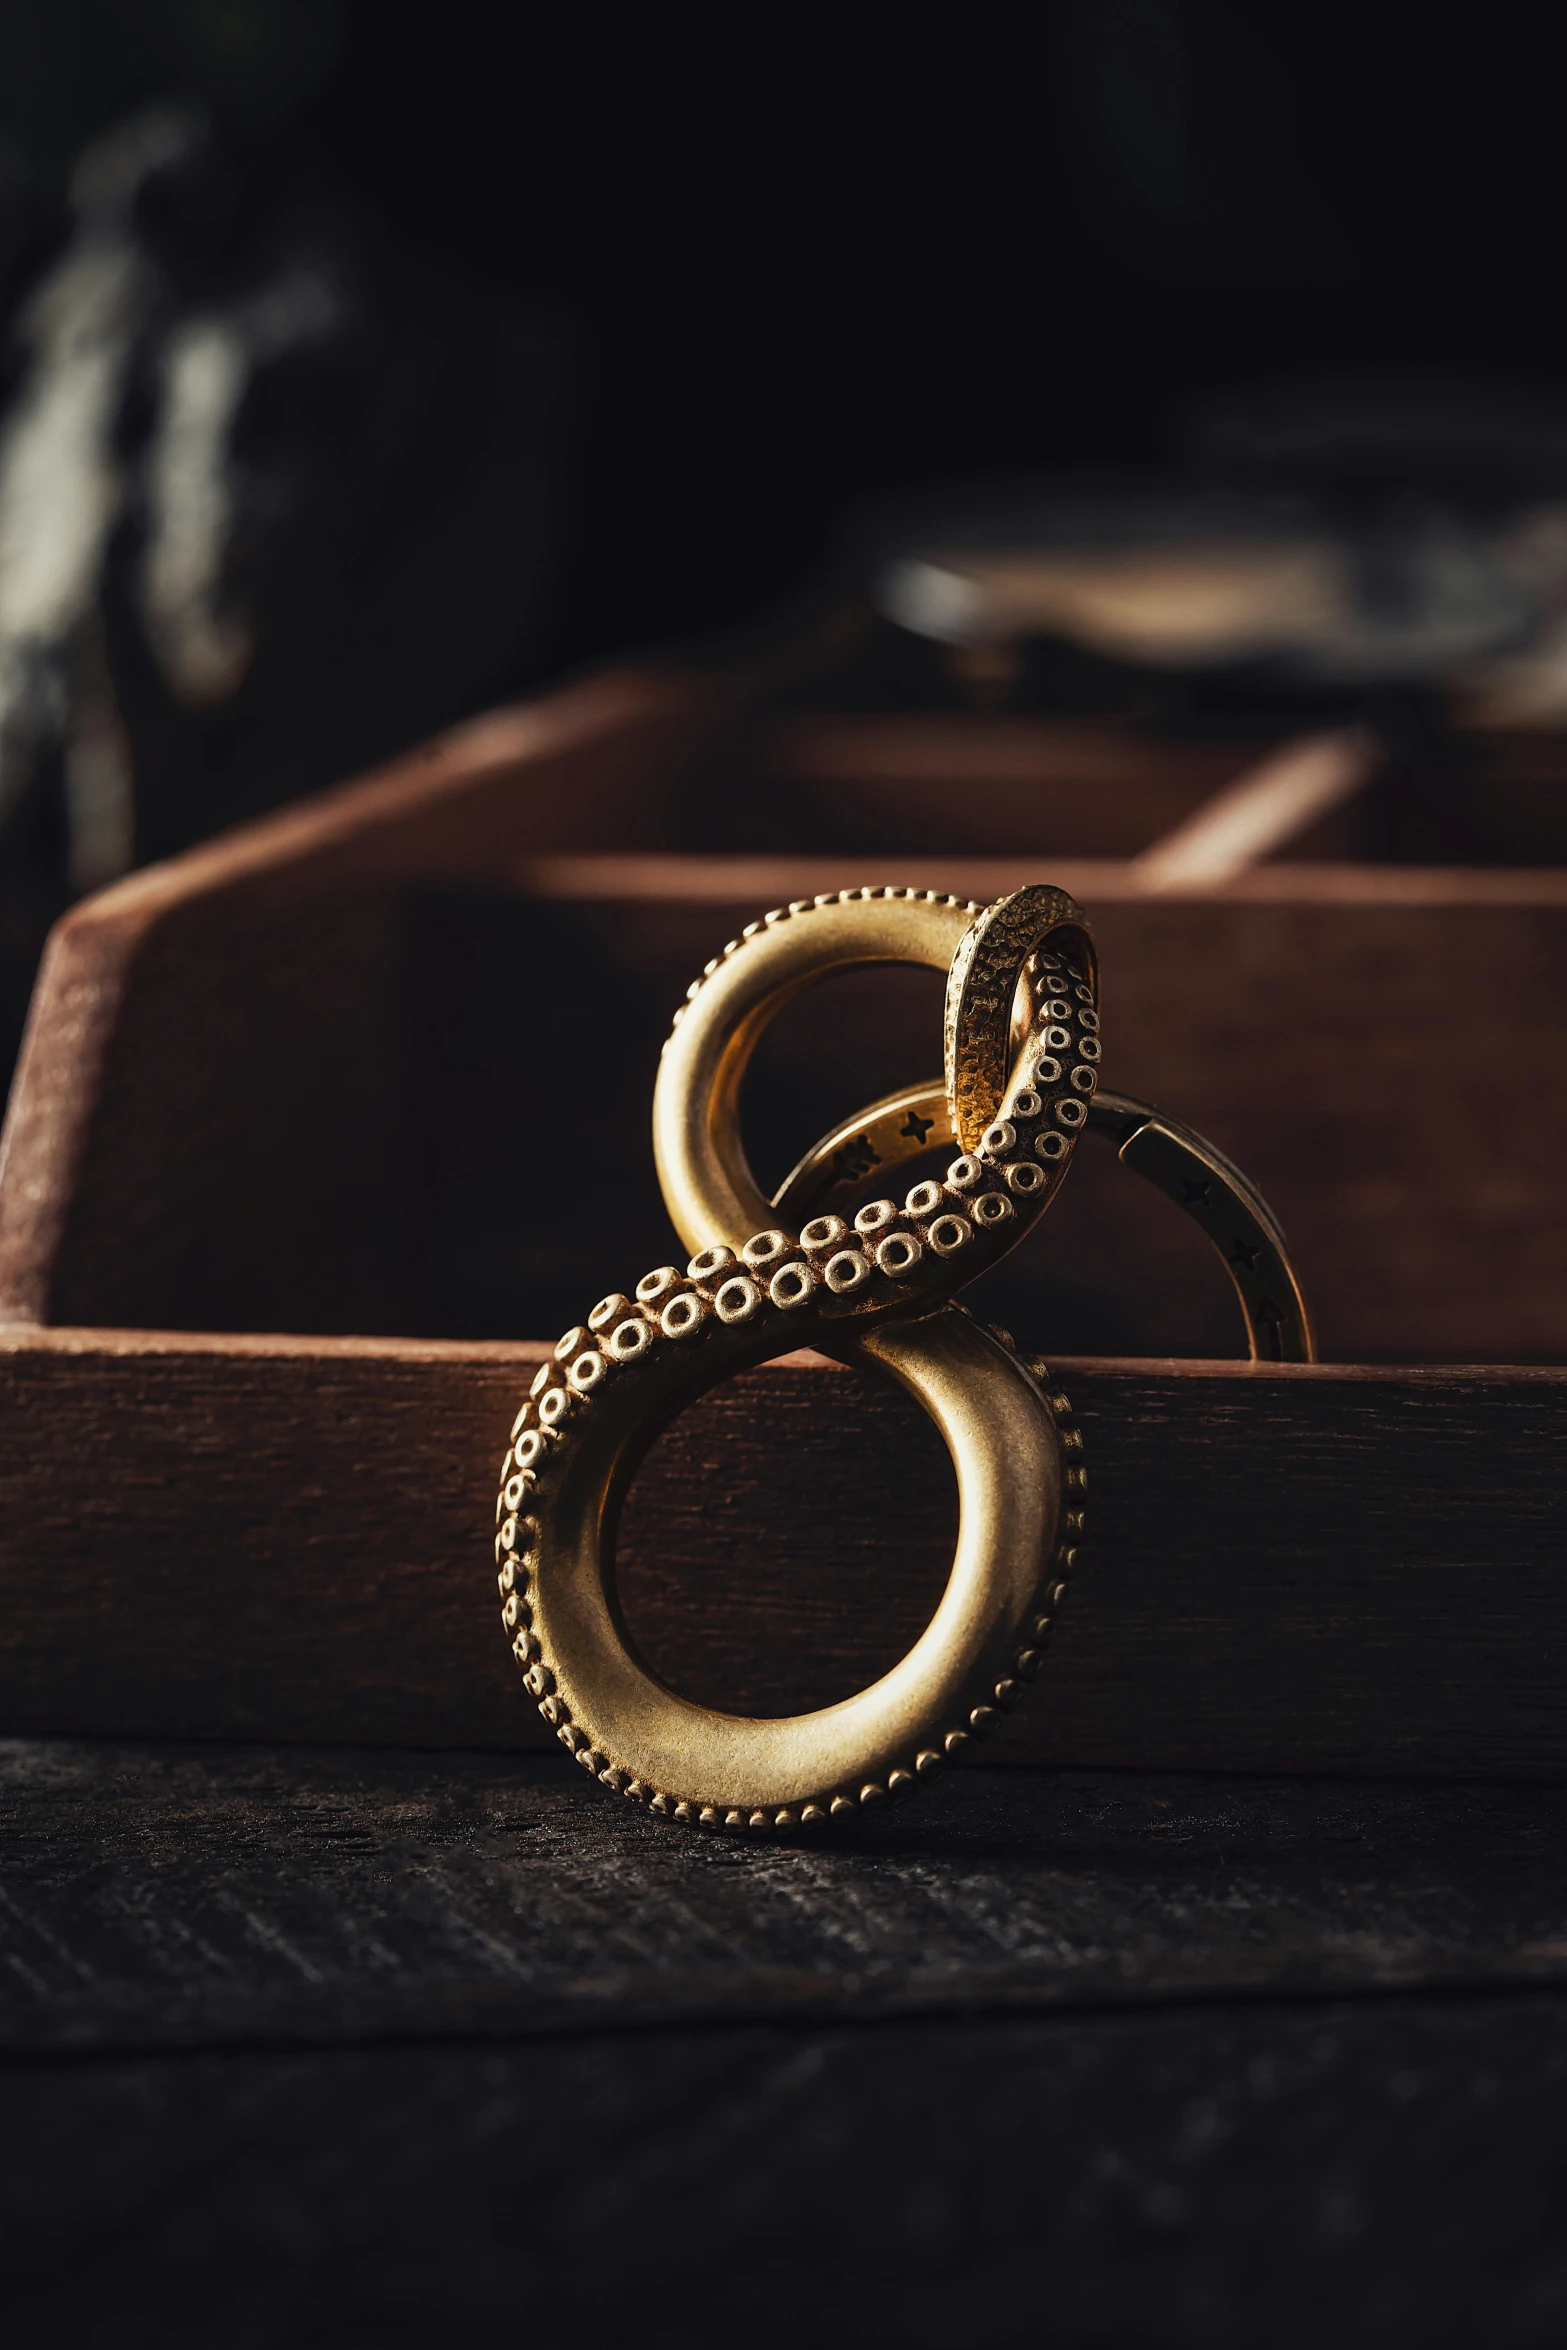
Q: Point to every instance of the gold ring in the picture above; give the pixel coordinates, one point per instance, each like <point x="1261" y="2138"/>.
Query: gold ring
<point x="880" y="1290"/>
<point x="1226" y="1207"/>
<point x="709" y="1188"/>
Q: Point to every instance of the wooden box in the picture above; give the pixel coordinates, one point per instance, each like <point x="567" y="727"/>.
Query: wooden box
<point x="278" y="1248"/>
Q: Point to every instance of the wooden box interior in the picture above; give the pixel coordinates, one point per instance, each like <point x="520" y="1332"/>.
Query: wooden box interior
<point x="398" y="1082"/>
<point x="378" y="1070"/>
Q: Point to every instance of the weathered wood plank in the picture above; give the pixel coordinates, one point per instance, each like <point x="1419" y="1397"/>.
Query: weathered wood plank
<point x="1287" y="1568"/>
<point x="157" y="1897"/>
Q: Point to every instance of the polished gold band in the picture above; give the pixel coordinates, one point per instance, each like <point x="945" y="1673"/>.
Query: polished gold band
<point x="1225" y="1206"/>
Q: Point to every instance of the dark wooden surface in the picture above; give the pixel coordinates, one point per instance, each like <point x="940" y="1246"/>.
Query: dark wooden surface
<point x="357" y="2050"/>
<point x="163" y="1897"/>
<point x="1286" y="1568"/>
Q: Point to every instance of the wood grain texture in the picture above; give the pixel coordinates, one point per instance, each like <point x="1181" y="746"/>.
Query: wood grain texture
<point x="320" y="2047"/>
<point x="1307" y="1569"/>
<point x="273" y="1084"/>
<point x="183" y="1897"/>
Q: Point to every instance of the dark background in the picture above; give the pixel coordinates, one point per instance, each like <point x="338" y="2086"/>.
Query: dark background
<point x="816" y="254"/>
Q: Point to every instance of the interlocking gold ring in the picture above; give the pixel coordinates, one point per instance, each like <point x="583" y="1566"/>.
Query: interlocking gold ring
<point x="1225" y="1206"/>
<point x="881" y="1290"/>
<point x="711" y="1193"/>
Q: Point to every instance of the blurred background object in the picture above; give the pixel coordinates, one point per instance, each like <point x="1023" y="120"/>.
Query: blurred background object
<point x="278" y="496"/>
<point x="1418" y="556"/>
<point x="363" y="368"/>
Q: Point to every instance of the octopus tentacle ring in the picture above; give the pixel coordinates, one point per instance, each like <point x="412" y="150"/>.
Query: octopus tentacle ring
<point x="1021" y="1048"/>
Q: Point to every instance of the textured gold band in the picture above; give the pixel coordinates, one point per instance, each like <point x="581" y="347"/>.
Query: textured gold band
<point x="722" y="1770"/>
<point x="876" y="1290"/>
<point x="709" y="1190"/>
